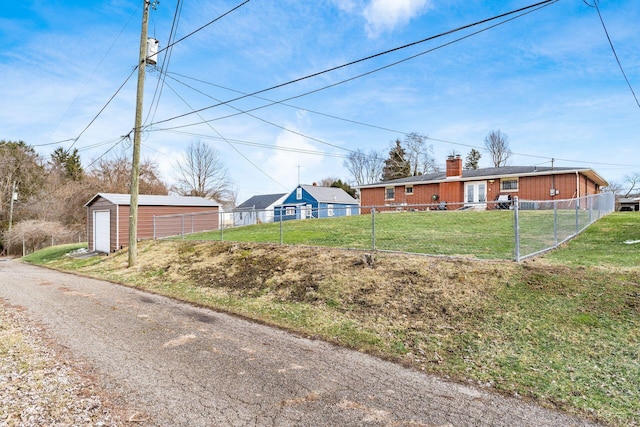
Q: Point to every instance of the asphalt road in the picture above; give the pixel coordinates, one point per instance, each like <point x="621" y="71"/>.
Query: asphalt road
<point x="187" y="366"/>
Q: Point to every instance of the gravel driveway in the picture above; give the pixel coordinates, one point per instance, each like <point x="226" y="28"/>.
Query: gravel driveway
<point x="186" y="366"/>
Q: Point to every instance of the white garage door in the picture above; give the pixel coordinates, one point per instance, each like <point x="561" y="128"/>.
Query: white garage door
<point x="101" y="231"/>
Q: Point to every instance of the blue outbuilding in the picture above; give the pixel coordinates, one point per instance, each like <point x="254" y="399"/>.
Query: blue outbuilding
<point x="312" y="201"/>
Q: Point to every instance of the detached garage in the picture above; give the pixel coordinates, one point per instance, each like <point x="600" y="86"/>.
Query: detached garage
<point x="108" y="218"/>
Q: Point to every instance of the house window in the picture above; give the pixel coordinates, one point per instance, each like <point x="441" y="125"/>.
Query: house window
<point x="509" y="184"/>
<point x="299" y="193"/>
<point x="389" y="193"/>
<point x="408" y="189"/>
<point x="329" y="210"/>
<point x="290" y="211"/>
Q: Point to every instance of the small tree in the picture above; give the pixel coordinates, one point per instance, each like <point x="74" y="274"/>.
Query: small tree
<point x="472" y="159"/>
<point x="396" y="166"/>
<point x="497" y="144"/>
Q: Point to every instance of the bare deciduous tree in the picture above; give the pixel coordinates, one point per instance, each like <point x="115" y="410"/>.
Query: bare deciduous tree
<point x="114" y="176"/>
<point x="327" y="182"/>
<point x="419" y="154"/>
<point x="497" y="144"/>
<point x="365" y="168"/>
<point x="613" y="187"/>
<point x="201" y="172"/>
<point x="633" y="181"/>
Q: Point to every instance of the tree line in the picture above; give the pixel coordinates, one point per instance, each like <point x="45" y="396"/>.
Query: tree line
<point x="413" y="156"/>
<point x="43" y="198"/>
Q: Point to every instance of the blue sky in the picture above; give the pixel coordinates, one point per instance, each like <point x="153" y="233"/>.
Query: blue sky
<point x="549" y="80"/>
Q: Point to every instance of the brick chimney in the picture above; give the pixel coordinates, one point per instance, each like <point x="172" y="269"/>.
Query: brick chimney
<point x="454" y="166"/>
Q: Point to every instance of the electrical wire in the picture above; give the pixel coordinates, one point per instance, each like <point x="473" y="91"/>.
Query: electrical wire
<point x="615" y="54"/>
<point x="283" y="102"/>
<point x="258" y="168"/>
<point x="101" y="110"/>
<point x="316" y="74"/>
<point x="205" y="25"/>
<point x="165" y="64"/>
<point x="264" y="120"/>
<point x="260" y="145"/>
<point x="119" y="141"/>
<point x="85" y="85"/>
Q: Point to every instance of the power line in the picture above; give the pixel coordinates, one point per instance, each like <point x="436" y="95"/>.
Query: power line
<point x="283" y="102"/>
<point x="261" y="145"/>
<point x="615" y="54"/>
<point x="165" y="63"/>
<point x="265" y="120"/>
<point x="536" y="5"/>
<point x="101" y="110"/>
<point x="120" y="140"/>
<point x="231" y="145"/>
<point x="205" y="25"/>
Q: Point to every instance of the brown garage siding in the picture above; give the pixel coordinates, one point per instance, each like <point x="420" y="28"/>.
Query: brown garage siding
<point x="119" y="220"/>
<point x="145" y="221"/>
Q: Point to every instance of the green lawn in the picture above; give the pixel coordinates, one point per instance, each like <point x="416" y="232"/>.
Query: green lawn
<point x="485" y="235"/>
<point x="479" y="234"/>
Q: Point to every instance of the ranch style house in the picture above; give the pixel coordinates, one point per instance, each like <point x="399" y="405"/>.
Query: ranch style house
<point x="481" y="188"/>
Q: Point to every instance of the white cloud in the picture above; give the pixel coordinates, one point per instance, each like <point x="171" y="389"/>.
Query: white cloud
<point x="385" y="15"/>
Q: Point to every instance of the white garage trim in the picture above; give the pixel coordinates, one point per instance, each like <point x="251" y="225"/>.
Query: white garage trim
<point x="102" y="231"/>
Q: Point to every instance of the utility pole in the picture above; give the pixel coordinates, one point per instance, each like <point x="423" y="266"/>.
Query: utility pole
<point x="135" y="164"/>
<point x="14" y="197"/>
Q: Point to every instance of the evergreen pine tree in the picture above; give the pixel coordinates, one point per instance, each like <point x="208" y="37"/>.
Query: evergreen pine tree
<point x="396" y="166"/>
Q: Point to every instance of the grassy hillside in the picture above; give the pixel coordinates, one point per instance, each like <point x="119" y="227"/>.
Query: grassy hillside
<point x="563" y="329"/>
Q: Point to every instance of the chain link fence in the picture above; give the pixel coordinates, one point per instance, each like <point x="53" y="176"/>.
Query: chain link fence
<point x="543" y="225"/>
<point x="507" y="229"/>
<point x="29" y="236"/>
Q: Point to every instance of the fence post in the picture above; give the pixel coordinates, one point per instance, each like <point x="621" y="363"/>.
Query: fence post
<point x="221" y="222"/>
<point x="281" y="235"/>
<point x="154" y="227"/>
<point x="516" y="228"/>
<point x="182" y="225"/>
<point x="373" y="229"/>
<point x="577" y="215"/>
<point x="555" y="222"/>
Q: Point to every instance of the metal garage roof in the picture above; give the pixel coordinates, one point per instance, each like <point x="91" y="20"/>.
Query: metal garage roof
<point x="152" y="200"/>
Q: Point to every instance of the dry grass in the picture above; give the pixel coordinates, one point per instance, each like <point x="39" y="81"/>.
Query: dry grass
<point x="567" y="337"/>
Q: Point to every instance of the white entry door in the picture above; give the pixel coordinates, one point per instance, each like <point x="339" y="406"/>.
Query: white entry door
<point x="101" y="231"/>
<point x="475" y="192"/>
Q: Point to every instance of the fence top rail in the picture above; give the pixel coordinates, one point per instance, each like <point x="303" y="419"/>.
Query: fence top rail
<point x="188" y="214"/>
<point x="565" y="200"/>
